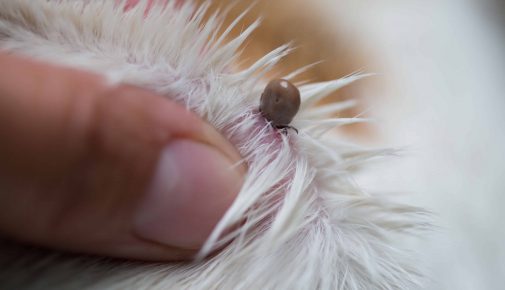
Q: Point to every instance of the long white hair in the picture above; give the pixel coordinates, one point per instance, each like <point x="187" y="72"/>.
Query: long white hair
<point x="305" y="224"/>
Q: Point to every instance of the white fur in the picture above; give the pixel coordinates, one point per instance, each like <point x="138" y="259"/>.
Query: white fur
<point x="307" y="225"/>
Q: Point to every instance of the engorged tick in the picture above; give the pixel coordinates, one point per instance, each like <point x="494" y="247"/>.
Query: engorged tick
<point x="279" y="103"/>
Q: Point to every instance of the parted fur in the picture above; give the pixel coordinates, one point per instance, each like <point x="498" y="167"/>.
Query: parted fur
<point x="305" y="224"/>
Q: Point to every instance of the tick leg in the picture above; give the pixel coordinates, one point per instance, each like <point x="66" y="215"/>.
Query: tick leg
<point x="285" y="128"/>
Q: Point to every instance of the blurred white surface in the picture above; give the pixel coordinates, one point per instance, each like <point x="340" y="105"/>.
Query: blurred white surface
<point x="443" y="68"/>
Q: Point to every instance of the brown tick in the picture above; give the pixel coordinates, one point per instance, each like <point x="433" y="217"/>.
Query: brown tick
<point x="279" y="103"/>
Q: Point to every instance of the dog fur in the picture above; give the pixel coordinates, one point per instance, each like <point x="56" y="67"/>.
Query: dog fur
<point x="305" y="223"/>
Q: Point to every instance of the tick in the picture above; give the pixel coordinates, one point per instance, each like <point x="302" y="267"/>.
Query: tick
<point x="280" y="101"/>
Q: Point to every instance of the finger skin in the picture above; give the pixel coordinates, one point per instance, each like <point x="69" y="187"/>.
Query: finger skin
<point x="76" y="157"/>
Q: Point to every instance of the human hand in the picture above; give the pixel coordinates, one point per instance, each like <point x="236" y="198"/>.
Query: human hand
<point x="110" y="170"/>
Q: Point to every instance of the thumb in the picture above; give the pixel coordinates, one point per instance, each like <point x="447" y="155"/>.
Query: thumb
<point x="116" y="171"/>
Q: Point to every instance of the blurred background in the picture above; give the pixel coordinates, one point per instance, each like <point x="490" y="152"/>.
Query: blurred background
<point x="439" y="94"/>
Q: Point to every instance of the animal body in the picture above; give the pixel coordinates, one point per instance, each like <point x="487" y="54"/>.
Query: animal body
<point x="305" y="223"/>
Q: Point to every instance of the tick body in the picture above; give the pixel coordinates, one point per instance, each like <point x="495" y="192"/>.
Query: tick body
<point x="280" y="102"/>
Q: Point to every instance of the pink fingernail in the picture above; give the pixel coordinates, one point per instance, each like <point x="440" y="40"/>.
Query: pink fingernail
<point x="193" y="186"/>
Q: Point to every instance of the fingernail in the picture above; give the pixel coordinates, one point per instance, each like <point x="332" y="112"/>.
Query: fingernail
<point x="193" y="186"/>
<point x="209" y="135"/>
